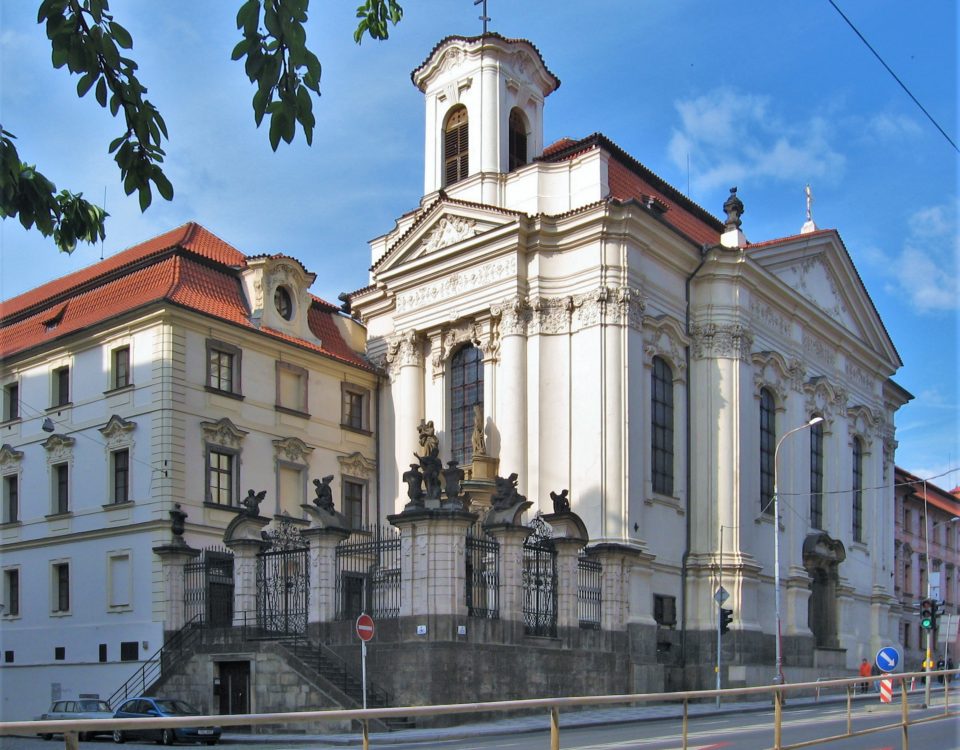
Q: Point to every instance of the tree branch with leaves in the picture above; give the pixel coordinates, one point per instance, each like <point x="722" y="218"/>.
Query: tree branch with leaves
<point x="85" y="38"/>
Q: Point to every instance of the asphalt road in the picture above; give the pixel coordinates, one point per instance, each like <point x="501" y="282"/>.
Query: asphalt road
<point x="737" y="731"/>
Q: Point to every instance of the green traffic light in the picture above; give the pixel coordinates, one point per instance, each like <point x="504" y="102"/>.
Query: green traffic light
<point x="926" y="623"/>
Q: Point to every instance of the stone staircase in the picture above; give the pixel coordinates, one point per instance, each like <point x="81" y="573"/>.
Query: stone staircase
<point x="324" y="667"/>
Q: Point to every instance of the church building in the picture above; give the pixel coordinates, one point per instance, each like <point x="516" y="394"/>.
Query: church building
<point x="625" y="345"/>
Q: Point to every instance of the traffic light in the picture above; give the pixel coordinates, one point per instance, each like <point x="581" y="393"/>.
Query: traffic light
<point x="726" y="616"/>
<point x="928" y="614"/>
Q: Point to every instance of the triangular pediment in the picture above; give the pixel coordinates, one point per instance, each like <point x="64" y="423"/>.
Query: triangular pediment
<point x="443" y="229"/>
<point x="820" y="270"/>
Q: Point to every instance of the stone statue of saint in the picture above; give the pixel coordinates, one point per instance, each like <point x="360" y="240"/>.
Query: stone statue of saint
<point x="324" y="498"/>
<point x="809" y="193"/>
<point x="429" y="443"/>
<point x="414" y="480"/>
<point x="561" y="503"/>
<point x="251" y="503"/>
<point x="177" y="523"/>
<point x="479" y="445"/>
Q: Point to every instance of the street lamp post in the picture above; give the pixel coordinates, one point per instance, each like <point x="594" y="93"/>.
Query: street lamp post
<point x="776" y="539"/>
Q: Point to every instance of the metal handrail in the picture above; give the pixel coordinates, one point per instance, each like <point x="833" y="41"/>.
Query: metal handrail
<point x="553" y="705"/>
<point x="152" y="668"/>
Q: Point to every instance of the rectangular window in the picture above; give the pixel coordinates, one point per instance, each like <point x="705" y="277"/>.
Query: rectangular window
<point x="120" y="367"/>
<point x="354" y="407"/>
<point x="118" y="577"/>
<point x="120" y="476"/>
<point x="61" y="489"/>
<point x="768" y="432"/>
<point x="220" y="484"/>
<point x="662" y="427"/>
<point x="353" y="503"/>
<point x="61" y="387"/>
<point x="11" y="592"/>
<point x="292" y="490"/>
<point x="665" y="610"/>
<point x="857" y="483"/>
<point x="61" y="587"/>
<point x="223" y="367"/>
<point x="291" y="388"/>
<point x="8" y="657"/>
<point x="103" y="652"/>
<point x="11" y="401"/>
<point x="816" y="475"/>
<point x="59" y="653"/>
<point x="11" y="498"/>
<point x="129" y="650"/>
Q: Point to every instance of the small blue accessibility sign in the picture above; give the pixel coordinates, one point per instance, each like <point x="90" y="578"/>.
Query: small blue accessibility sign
<point x="887" y="658"/>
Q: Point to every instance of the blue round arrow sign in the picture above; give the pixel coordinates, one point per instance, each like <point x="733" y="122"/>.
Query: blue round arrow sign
<point x="887" y="658"/>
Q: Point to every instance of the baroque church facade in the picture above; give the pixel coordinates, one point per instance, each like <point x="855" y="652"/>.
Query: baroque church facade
<point x="625" y="345"/>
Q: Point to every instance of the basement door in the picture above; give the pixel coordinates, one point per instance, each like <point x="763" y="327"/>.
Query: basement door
<point x="234" y="687"/>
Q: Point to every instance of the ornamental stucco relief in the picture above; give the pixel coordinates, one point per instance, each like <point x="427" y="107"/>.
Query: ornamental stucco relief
<point x="292" y="449"/>
<point x="446" y="340"/>
<point x="551" y="315"/>
<point x="821" y="351"/>
<point x="59" y="447"/>
<point x="452" y="58"/>
<point x="116" y="431"/>
<point x="662" y="337"/>
<point x="728" y="341"/>
<point x="514" y="316"/>
<point x="448" y="231"/>
<point x="770" y="319"/>
<point x="863" y="421"/>
<point x="223" y="432"/>
<point x="10" y="457"/>
<point x="357" y="465"/>
<point x="457" y="284"/>
<point x="858" y="376"/>
<point x="823" y="398"/>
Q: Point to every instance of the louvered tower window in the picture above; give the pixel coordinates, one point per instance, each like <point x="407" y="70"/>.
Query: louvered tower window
<point x="518" y="140"/>
<point x="456" y="163"/>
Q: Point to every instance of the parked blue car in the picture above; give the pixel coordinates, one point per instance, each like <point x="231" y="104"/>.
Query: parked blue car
<point x="144" y="708"/>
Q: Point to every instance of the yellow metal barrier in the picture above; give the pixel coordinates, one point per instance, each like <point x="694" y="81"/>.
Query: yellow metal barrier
<point x="70" y="729"/>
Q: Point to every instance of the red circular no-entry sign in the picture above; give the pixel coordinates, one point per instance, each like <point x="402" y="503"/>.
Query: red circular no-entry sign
<point x="365" y="627"/>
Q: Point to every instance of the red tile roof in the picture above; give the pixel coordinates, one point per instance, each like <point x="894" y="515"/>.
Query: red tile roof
<point x="630" y="180"/>
<point x="188" y="267"/>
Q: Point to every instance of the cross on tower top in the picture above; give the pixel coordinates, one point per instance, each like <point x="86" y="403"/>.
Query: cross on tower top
<point x="485" y="18"/>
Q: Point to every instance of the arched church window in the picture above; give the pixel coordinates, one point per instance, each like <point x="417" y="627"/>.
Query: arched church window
<point x="768" y="434"/>
<point x="661" y="424"/>
<point x="517" y="145"/>
<point x="456" y="163"/>
<point x="816" y="475"/>
<point x="466" y="391"/>
<point x="857" y="485"/>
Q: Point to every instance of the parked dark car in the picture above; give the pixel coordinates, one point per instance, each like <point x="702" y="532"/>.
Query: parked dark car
<point x="144" y="708"/>
<point x="80" y="709"/>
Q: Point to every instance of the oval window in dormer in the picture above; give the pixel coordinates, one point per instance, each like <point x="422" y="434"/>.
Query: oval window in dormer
<point x="283" y="302"/>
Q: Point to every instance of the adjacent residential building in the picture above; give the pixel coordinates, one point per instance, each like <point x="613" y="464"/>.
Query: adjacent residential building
<point x="175" y="376"/>
<point x="927" y="549"/>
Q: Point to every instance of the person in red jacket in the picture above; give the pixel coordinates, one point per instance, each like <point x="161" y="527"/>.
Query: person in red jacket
<point x="864" y="672"/>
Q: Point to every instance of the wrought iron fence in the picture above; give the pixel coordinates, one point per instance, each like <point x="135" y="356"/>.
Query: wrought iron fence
<point x="208" y="588"/>
<point x="589" y="591"/>
<point x="483" y="574"/>
<point x="539" y="581"/>
<point x="368" y="573"/>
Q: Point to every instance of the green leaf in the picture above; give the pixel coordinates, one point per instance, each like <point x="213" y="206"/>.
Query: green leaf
<point x="240" y="50"/>
<point x="86" y="82"/>
<point x="146" y="197"/>
<point x="101" y="92"/>
<point x="163" y="184"/>
<point x="121" y="36"/>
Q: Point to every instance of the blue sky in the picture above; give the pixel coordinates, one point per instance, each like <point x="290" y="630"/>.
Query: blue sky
<point x="765" y="96"/>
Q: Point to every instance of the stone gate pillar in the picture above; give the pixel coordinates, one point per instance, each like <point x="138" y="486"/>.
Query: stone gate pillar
<point x="433" y="567"/>
<point x="243" y="537"/>
<point x="322" y="601"/>
<point x="568" y="579"/>
<point x="510" y="537"/>
<point x="621" y="565"/>
<point x="173" y="561"/>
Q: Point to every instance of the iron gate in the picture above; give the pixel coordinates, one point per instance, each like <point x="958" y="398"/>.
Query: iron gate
<point x="208" y="588"/>
<point x="283" y="582"/>
<point x="540" y="581"/>
<point x="368" y="574"/>
<point x="482" y="574"/>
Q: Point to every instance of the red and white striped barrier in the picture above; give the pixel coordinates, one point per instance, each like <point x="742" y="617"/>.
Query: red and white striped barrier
<point x="886" y="689"/>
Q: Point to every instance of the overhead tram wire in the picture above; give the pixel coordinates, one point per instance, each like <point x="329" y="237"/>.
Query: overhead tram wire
<point x="895" y="77"/>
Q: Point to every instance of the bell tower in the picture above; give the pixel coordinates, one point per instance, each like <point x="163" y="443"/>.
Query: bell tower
<point x="484" y="112"/>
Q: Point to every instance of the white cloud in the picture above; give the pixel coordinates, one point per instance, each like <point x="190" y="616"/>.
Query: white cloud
<point x="885" y="127"/>
<point x="730" y="137"/>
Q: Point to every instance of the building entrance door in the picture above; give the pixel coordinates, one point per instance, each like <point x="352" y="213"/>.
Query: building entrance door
<point x="235" y="687"/>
